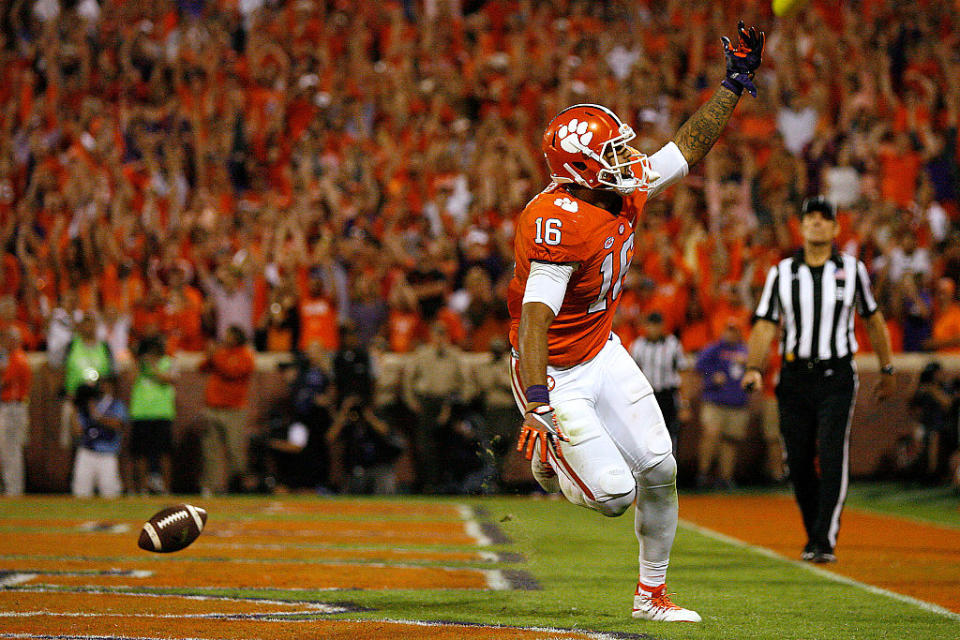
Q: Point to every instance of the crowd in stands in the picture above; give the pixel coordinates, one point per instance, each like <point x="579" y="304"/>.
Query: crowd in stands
<point x="262" y="173"/>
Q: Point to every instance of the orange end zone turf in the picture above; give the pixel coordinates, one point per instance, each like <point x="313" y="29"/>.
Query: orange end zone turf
<point x="904" y="556"/>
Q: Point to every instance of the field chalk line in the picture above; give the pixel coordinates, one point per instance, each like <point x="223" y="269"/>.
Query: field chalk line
<point x="923" y="604"/>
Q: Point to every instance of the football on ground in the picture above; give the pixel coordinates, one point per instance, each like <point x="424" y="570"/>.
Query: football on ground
<point x="172" y="529"/>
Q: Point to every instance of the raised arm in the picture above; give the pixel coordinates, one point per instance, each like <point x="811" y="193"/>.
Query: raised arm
<point x="699" y="133"/>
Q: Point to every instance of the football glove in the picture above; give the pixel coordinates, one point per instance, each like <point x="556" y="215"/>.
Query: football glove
<point x="743" y="61"/>
<point x="540" y="424"/>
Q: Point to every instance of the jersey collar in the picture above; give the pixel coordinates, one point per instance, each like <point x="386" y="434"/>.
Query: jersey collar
<point x="800" y="256"/>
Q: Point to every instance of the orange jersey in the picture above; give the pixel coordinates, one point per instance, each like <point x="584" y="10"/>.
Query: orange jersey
<point x="403" y="328"/>
<point x="318" y="323"/>
<point x="231" y="369"/>
<point x="15" y="378"/>
<point x="557" y="227"/>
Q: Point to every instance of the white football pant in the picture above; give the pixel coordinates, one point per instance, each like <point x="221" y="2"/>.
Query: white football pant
<point x="619" y="449"/>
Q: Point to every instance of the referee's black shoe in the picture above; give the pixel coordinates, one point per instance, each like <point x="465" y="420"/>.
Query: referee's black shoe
<point x="817" y="554"/>
<point x="824" y="557"/>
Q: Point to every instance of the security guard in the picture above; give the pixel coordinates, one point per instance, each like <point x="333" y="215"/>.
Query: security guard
<point x="813" y="295"/>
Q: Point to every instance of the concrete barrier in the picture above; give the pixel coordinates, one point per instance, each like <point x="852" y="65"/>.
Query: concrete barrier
<point x="876" y="426"/>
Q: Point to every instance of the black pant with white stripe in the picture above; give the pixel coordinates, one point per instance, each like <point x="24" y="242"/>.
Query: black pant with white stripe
<point x="667" y="400"/>
<point x="816" y="402"/>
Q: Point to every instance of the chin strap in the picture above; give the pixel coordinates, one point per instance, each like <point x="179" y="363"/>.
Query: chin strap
<point x="576" y="176"/>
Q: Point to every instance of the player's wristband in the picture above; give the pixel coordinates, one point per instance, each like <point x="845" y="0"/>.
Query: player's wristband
<point x="537" y="393"/>
<point x="733" y="86"/>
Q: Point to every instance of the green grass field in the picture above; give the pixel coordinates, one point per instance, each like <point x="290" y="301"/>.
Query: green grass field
<point x="940" y="505"/>
<point x="586" y="565"/>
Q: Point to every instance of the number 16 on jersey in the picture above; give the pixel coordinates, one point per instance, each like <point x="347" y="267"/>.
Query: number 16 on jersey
<point x="548" y="233"/>
<point x="613" y="273"/>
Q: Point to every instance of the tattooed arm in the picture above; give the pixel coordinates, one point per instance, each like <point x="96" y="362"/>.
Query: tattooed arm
<point x="703" y="128"/>
<point x="698" y="134"/>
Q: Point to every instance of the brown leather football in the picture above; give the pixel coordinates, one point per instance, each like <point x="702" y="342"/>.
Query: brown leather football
<point x="172" y="529"/>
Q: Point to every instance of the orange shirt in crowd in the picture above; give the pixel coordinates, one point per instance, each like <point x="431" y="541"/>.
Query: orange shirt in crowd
<point x="15" y="379"/>
<point x="279" y="339"/>
<point x="694" y="336"/>
<point x="318" y="315"/>
<point x="110" y="294"/>
<point x="121" y="293"/>
<point x="670" y="299"/>
<point x="10" y="282"/>
<point x="491" y="328"/>
<point x="147" y="319"/>
<point x="318" y="323"/>
<point x="898" y="176"/>
<point x="772" y="369"/>
<point x="629" y="315"/>
<point x="454" y="325"/>
<point x="184" y="319"/>
<point x="28" y="338"/>
<point x="87" y="296"/>
<point x="894" y="329"/>
<point x="721" y="313"/>
<point x="403" y="328"/>
<point x="230" y="370"/>
<point x="946" y="326"/>
<point x="758" y="127"/>
<point x="626" y="331"/>
<point x="261" y="296"/>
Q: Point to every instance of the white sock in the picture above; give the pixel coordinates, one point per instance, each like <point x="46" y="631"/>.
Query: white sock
<point x="656" y="525"/>
<point x="653" y="574"/>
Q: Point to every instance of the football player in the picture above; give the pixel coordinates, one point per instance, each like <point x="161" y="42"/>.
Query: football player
<point x="592" y="428"/>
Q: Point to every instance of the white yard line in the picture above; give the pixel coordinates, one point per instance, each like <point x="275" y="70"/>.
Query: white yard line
<point x="594" y="635"/>
<point x="472" y="527"/>
<point x="94" y="526"/>
<point x="315" y="607"/>
<point x="14" y="579"/>
<point x="34" y="636"/>
<point x="715" y="535"/>
<point x="497" y="581"/>
<point x="159" y="616"/>
<point x="475" y="531"/>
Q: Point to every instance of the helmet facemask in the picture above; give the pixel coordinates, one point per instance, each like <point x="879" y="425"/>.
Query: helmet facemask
<point x="616" y="158"/>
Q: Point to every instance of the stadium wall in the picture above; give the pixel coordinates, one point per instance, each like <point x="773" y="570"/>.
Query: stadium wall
<point x="876" y="427"/>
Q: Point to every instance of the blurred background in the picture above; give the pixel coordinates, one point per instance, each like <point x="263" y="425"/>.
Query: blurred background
<point x="263" y="245"/>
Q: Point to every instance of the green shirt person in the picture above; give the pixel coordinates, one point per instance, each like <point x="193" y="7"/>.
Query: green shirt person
<point x="88" y="359"/>
<point x="152" y="411"/>
<point x="152" y="396"/>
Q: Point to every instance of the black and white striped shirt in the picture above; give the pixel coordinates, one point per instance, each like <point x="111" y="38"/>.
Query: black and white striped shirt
<point x="816" y="305"/>
<point x="660" y="360"/>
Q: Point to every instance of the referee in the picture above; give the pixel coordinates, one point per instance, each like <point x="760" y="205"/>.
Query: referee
<point x="813" y="294"/>
<point x="660" y="356"/>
